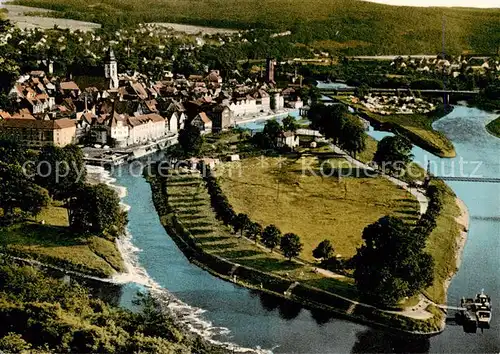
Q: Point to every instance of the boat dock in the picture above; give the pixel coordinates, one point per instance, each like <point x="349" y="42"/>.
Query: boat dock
<point x="107" y="157"/>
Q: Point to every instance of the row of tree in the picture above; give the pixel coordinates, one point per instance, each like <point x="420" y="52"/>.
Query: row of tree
<point x="337" y="124"/>
<point x="270" y="236"/>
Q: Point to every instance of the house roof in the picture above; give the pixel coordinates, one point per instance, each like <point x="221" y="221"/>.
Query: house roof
<point x="38" y="124"/>
<point x="146" y="118"/>
<point x="69" y="85"/>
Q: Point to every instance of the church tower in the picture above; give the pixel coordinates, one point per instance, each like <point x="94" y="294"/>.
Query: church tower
<point x="111" y="69"/>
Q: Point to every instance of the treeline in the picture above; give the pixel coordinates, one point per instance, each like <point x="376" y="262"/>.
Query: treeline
<point x="337" y="124"/>
<point x="270" y="236"/>
<point x="32" y="180"/>
<point x="43" y="314"/>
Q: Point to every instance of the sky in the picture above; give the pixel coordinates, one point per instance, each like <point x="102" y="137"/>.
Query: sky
<point x="462" y="3"/>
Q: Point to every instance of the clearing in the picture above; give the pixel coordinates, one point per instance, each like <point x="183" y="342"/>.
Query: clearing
<point x="30" y="17"/>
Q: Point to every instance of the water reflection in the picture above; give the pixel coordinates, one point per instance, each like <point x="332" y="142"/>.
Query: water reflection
<point x="372" y="341"/>
<point x="287" y="310"/>
<point x="321" y="317"/>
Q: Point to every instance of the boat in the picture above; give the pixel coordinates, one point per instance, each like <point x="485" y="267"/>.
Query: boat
<point x="476" y="311"/>
<point x="483" y="309"/>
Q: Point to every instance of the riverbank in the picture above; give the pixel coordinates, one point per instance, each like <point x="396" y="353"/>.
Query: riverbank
<point x="463" y="221"/>
<point x="194" y="247"/>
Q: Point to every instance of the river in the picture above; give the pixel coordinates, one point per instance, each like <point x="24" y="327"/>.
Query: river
<point x="224" y="312"/>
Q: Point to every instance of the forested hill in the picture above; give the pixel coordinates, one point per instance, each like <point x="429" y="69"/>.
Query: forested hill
<point x="348" y="26"/>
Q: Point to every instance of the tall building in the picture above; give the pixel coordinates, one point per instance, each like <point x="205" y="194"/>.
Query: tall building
<point x="111" y="69"/>
<point x="270" y="68"/>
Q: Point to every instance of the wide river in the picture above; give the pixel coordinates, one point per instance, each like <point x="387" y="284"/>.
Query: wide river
<point x="224" y="312"/>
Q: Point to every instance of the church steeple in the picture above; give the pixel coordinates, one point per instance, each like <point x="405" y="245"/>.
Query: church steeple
<point x="111" y="69"/>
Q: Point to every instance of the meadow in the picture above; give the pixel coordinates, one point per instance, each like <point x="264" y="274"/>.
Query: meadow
<point x="344" y="26"/>
<point x="53" y="242"/>
<point x="276" y="191"/>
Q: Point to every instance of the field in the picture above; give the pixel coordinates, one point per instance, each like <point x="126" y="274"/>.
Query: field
<point x="27" y="17"/>
<point x="417" y="127"/>
<point x="53" y="243"/>
<point x="189" y="198"/>
<point x="313" y="207"/>
<point x="347" y="26"/>
<point x="494" y="127"/>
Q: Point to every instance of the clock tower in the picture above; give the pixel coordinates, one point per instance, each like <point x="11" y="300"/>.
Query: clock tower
<point x="111" y="69"/>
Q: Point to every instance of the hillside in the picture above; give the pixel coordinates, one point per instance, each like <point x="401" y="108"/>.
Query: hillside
<point x="348" y="26"/>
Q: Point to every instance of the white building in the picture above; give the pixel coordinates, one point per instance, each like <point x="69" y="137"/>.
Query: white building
<point x="145" y="128"/>
<point x="172" y="123"/>
<point x="289" y="139"/>
<point x="119" y="130"/>
<point x="245" y="106"/>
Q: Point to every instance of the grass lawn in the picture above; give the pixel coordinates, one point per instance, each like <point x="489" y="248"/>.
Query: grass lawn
<point x="418" y="127"/>
<point x="54" y="243"/>
<point x="189" y="198"/>
<point x="313" y="207"/>
<point x="494" y="127"/>
<point x="442" y="245"/>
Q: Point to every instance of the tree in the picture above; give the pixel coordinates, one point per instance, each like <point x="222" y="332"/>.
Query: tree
<point x="61" y="170"/>
<point x="18" y="192"/>
<point x="324" y="250"/>
<point x="272" y="131"/>
<point x="190" y="140"/>
<point x="96" y="209"/>
<point x="353" y="137"/>
<point x="241" y="222"/>
<point x="289" y="124"/>
<point x="255" y="231"/>
<point x="393" y="153"/>
<point x="272" y="102"/>
<point x="403" y="270"/>
<point x="271" y="237"/>
<point x="290" y="245"/>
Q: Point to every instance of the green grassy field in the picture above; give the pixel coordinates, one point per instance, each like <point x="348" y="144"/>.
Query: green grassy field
<point x="339" y="25"/>
<point x="53" y="243"/>
<point x="189" y="198"/>
<point x="314" y="207"/>
<point x="494" y="127"/>
<point x="442" y="245"/>
<point x="418" y="127"/>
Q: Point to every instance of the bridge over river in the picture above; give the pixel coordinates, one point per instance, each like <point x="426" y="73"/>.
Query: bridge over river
<point x="471" y="179"/>
<point x="391" y="90"/>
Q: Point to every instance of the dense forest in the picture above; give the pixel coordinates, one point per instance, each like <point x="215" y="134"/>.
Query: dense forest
<point x="41" y="314"/>
<point x="341" y="26"/>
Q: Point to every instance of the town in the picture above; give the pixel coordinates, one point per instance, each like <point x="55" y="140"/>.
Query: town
<point x="178" y="188"/>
